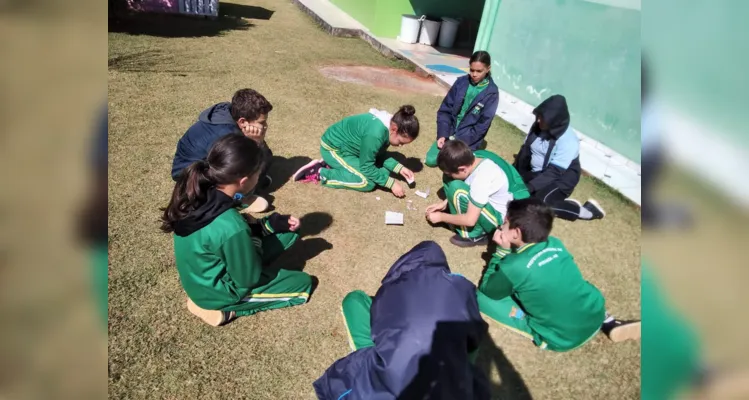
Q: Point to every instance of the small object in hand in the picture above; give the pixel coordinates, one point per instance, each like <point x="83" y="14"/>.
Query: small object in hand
<point x="393" y="218"/>
<point x="410" y="181"/>
<point x="423" y="194"/>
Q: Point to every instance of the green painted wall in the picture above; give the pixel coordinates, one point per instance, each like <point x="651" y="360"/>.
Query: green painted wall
<point x="361" y="10"/>
<point x="383" y="17"/>
<point x="587" y="50"/>
<point x="701" y="72"/>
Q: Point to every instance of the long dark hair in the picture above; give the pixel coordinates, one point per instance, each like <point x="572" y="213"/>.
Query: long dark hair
<point x="231" y="158"/>
<point x="406" y="121"/>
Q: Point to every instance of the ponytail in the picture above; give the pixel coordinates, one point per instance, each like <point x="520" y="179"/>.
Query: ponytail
<point x="406" y="121"/>
<point x="189" y="194"/>
<point x="230" y="159"/>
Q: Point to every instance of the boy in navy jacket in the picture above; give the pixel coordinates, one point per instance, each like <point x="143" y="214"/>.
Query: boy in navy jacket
<point x="247" y="113"/>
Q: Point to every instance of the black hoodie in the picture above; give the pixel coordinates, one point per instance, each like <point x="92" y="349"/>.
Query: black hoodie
<point x="217" y="202"/>
<point x="555" y="113"/>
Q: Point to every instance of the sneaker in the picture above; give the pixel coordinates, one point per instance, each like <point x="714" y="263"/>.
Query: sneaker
<point x="575" y="202"/>
<point x="595" y="209"/>
<point x="309" y="172"/>
<point x="619" y="331"/>
<point x="210" y="317"/>
<point x="255" y="204"/>
<point x="463" y="242"/>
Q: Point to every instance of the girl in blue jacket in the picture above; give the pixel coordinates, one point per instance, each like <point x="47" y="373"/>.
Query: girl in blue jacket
<point x="468" y="109"/>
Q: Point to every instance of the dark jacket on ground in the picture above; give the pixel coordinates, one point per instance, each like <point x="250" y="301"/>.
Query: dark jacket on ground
<point x="425" y="321"/>
<point x="212" y="124"/>
<point x="555" y="113"/>
<point x="477" y="120"/>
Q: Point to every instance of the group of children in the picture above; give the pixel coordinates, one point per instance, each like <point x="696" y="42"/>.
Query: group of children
<point x="531" y="285"/>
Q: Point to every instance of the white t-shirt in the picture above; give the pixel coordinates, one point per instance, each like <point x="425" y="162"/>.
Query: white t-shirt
<point x="489" y="184"/>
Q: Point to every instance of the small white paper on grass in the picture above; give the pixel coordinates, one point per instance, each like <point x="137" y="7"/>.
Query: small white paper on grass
<point x="424" y="194"/>
<point x="393" y="218"/>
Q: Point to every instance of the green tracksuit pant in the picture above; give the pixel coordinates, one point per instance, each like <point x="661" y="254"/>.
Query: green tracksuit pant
<point x="356" y="316"/>
<point x="344" y="172"/>
<point x="431" y="158"/>
<point x="278" y="288"/>
<point x="457" y="194"/>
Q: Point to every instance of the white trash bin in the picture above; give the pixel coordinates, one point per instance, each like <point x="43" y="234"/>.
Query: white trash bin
<point x="410" y="25"/>
<point x="448" y="32"/>
<point x="429" y="32"/>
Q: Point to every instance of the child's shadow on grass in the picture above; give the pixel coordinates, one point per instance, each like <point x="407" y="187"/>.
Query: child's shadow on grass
<point x="281" y="170"/>
<point x="513" y="386"/>
<point x="305" y="249"/>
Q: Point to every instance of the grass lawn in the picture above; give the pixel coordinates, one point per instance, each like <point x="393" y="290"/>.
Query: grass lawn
<point x="161" y="77"/>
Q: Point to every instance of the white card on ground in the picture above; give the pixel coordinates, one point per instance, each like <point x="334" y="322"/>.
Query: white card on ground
<point x="393" y="218"/>
<point x="423" y="194"/>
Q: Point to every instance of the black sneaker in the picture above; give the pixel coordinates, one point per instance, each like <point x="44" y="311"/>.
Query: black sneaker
<point x="468" y="242"/>
<point x="575" y="202"/>
<point x="310" y="171"/>
<point x="595" y="209"/>
<point x="619" y="331"/>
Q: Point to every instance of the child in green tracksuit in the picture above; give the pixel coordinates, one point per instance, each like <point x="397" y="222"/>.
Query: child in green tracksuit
<point x="352" y="148"/>
<point x="533" y="286"/>
<point x="222" y="255"/>
<point x="477" y="186"/>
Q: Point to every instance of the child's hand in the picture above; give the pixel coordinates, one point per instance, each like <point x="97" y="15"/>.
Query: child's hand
<point x="440" y="142"/>
<point x="501" y="240"/>
<point x="437" y="207"/>
<point x="434" y="217"/>
<point x="255" y="132"/>
<point x="294" y="224"/>
<point x="397" y="190"/>
<point x="408" y="174"/>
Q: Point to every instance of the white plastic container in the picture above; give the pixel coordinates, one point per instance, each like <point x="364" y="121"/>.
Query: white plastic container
<point x="448" y="32"/>
<point x="410" y="25"/>
<point x="429" y="32"/>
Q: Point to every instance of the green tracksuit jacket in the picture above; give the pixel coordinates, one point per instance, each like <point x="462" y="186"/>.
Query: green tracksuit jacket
<point x="562" y="309"/>
<point x="364" y="138"/>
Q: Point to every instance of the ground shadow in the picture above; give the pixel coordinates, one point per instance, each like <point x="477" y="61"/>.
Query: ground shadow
<point x="315" y="223"/>
<point x="412" y="163"/>
<point x="513" y="386"/>
<point x="282" y="168"/>
<point x="176" y="26"/>
<point x="296" y="257"/>
<point x="243" y="11"/>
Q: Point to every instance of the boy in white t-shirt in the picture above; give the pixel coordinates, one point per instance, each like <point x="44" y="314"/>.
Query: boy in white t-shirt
<point x="478" y="187"/>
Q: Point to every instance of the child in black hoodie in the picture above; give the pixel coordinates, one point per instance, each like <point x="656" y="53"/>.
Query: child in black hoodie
<point x="549" y="162"/>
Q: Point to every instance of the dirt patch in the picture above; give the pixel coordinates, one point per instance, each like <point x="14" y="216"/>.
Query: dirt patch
<point x="382" y="77"/>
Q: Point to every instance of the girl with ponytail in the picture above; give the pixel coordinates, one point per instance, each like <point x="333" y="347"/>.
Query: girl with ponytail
<point x="222" y="255"/>
<point x="353" y="149"/>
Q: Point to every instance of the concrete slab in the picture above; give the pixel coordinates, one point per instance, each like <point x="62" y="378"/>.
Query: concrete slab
<point x="331" y="18"/>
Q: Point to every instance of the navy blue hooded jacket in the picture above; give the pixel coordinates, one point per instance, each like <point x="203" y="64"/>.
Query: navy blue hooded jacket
<point x="212" y="124"/>
<point x="424" y="322"/>
<point x="478" y="118"/>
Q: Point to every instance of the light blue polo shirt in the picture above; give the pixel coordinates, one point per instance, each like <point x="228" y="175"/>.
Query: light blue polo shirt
<point x="565" y="151"/>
